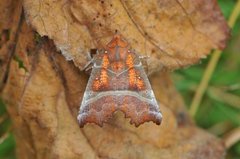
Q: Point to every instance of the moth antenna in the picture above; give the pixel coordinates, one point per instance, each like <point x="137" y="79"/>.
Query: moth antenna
<point x="145" y="44"/>
<point x="144" y="61"/>
<point x="146" y="57"/>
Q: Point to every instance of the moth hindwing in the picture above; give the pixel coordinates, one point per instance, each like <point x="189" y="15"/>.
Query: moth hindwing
<point x="118" y="82"/>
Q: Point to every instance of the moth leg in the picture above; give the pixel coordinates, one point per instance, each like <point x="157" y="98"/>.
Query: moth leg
<point x="144" y="61"/>
<point x="91" y="59"/>
<point x="144" y="57"/>
<point x="88" y="65"/>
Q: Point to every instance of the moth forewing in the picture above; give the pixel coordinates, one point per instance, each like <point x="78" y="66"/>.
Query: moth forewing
<point x="118" y="82"/>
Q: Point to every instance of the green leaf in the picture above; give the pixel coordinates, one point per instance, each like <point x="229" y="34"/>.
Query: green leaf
<point x="2" y="107"/>
<point x="225" y="77"/>
<point x="226" y="7"/>
<point x="7" y="147"/>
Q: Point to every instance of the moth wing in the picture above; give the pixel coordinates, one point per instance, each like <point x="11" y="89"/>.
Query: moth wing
<point x="95" y="107"/>
<point x="100" y="103"/>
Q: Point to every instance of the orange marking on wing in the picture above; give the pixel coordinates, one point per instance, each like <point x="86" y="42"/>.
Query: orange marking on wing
<point x="103" y="77"/>
<point x="105" y="61"/>
<point x="129" y="61"/>
<point x="101" y="83"/>
<point x="135" y="81"/>
<point x="96" y="85"/>
<point x="132" y="78"/>
<point x="131" y="72"/>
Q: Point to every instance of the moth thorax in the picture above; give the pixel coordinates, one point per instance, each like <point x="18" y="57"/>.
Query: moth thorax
<point x="117" y="66"/>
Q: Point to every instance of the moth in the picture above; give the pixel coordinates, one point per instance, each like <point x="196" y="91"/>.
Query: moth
<point x="118" y="83"/>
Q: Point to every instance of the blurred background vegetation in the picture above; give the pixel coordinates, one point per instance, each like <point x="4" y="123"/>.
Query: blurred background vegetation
<point x="219" y="109"/>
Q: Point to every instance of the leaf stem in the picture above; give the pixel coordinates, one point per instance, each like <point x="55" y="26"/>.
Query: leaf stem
<point x="232" y="137"/>
<point x="211" y="67"/>
<point x="225" y="97"/>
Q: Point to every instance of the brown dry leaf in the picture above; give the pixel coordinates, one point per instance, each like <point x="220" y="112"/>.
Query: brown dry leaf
<point x="43" y="104"/>
<point x="10" y="20"/>
<point x="173" y="33"/>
